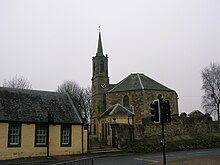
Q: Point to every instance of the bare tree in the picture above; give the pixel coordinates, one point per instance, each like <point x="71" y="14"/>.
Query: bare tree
<point x="211" y="88"/>
<point x="17" y="82"/>
<point x="81" y="97"/>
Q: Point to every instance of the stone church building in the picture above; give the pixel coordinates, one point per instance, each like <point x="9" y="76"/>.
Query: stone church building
<point x="126" y="102"/>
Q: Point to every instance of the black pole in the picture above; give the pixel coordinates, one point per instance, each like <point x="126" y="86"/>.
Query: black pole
<point x="48" y="139"/>
<point x="163" y="143"/>
<point x="48" y="134"/>
<point x="133" y="127"/>
<point x="218" y="109"/>
<point x="162" y="128"/>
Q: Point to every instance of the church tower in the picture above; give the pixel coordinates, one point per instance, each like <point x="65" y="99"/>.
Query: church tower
<point x="100" y="80"/>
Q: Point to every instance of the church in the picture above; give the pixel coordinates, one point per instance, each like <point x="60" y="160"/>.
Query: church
<point x="126" y="102"/>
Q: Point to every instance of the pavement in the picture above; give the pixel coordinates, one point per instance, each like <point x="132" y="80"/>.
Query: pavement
<point x="55" y="159"/>
<point x="42" y="160"/>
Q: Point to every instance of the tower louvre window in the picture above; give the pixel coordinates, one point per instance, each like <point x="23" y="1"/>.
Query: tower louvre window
<point x="102" y="67"/>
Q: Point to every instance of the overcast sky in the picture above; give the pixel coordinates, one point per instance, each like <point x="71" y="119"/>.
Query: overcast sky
<point x="171" y="41"/>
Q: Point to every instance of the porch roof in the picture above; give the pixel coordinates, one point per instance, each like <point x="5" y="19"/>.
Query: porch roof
<point x="117" y="110"/>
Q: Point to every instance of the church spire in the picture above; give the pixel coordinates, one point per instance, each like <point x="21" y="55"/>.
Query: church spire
<point x="99" y="49"/>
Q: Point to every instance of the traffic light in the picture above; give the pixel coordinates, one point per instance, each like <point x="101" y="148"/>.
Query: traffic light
<point x="165" y="111"/>
<point x="155" y="111"/>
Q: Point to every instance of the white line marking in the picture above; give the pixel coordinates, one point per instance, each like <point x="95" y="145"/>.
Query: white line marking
<point x="147" y="160"/>
<point x="199" y="152"/>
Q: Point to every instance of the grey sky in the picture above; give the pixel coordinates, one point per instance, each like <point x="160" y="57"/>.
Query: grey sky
<point x="171" y="41"/>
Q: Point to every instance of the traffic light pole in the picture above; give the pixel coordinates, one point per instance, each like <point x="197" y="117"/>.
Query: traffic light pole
<point x="162" y="129"/>
<point x="160" y="113"/>
<point x="163" y="143"/>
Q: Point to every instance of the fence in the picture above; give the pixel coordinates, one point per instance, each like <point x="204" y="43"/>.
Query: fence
<point x="86" y="161"/>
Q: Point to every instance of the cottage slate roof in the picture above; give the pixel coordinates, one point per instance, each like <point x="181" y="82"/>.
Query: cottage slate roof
<point x="117" y="110"/>
<point x="138" y="81"/>
<point x="22" y="105"/>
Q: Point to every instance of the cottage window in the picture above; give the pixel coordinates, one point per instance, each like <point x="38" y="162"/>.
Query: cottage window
<point x="14" y="135"/>
<point x="41" y="135"/>
<point x="65" y="135"/>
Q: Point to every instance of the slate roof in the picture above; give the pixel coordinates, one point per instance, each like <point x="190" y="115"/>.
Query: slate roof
<point x="22" y="105"/>
<point x="117" y="110"/>
<point x="138" y="81"/>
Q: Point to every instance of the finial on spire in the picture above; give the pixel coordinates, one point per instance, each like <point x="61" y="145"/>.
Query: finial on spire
<point x="99" y="29"/>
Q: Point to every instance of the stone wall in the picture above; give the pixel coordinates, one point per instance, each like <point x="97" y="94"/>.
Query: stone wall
<point x="179" y="126"/>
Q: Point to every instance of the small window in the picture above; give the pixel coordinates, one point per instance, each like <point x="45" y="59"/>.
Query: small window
<point x="66" y="135"/>
<point x="41" y="135"/>
<point x="14" y="135"/>
<point x="126" y="101"/>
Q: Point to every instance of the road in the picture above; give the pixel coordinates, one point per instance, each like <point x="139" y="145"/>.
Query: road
<point x="143" y="159"/>
<point x="125" y="159"/>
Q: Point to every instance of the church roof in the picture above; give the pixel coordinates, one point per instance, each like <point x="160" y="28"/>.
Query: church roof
<point x="138" y="81"/>
<point x="22" y="105"/>
<point x="117" y="110"/>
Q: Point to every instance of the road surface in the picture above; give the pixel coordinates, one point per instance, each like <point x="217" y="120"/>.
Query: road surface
<point x="143" y="159"/>
<point x="125" y="159"/>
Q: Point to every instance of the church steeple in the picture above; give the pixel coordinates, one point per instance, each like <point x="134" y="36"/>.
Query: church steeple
<point x="100" y="82"/>
<point x="100" y="61"/>
<point x="99" y="49"/>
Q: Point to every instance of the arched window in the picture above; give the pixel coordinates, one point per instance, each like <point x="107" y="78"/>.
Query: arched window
<point x="126" y="101"/>
<point x="102" y="68"/>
